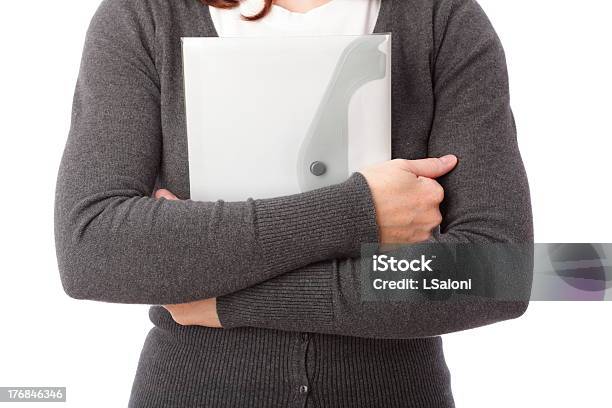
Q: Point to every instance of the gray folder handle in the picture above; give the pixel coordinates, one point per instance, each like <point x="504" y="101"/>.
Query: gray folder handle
<point x="323" y="156"/>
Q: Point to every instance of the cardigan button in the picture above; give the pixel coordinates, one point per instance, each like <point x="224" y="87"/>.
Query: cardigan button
<point x="318" y="168"/>
<point x="303" y="389"/>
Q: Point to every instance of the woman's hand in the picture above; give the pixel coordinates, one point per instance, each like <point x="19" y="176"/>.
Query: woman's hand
<point x="199" y="313"/>
<point x="407" y="198"/>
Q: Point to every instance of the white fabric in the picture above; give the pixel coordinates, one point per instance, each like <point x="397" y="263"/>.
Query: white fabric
<point x="337" y="17"/>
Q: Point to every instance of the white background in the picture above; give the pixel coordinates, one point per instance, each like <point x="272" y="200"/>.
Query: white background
<point x="557" y="355"/>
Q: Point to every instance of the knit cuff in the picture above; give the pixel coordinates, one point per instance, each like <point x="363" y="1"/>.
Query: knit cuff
<point x="301" y="300"/>
<point x="328" y="223"/>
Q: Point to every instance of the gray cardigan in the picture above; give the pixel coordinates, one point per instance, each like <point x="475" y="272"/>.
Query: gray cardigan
<point x="283" y="269"/>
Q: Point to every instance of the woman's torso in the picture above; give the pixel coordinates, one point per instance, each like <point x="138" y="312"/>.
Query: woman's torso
<point x="247" y="367"/>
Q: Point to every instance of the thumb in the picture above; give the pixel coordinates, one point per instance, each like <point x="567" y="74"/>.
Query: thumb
<point x="431" y="168"/>
<point x="163" y="193"/>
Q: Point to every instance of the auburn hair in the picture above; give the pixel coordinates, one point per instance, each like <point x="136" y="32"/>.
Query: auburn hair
<point x="229" y="4"/>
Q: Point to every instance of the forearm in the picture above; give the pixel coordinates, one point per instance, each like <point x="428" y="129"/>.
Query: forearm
<point x="119" y="245"/>
<point x="328" y="297"/>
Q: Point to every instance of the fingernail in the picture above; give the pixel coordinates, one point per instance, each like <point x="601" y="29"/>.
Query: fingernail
<point x="449" y="158"/>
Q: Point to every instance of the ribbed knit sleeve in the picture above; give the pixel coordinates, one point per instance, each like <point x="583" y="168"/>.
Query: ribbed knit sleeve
<point x="115" y="243"/>
<point x="487" y="200"/>
<point x="298" y="301"/>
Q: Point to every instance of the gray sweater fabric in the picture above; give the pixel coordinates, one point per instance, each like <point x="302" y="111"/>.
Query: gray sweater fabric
<point x="284" y="270"/>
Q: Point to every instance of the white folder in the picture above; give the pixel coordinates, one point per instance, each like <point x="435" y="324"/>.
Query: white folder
<point x="274" y="116"/>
